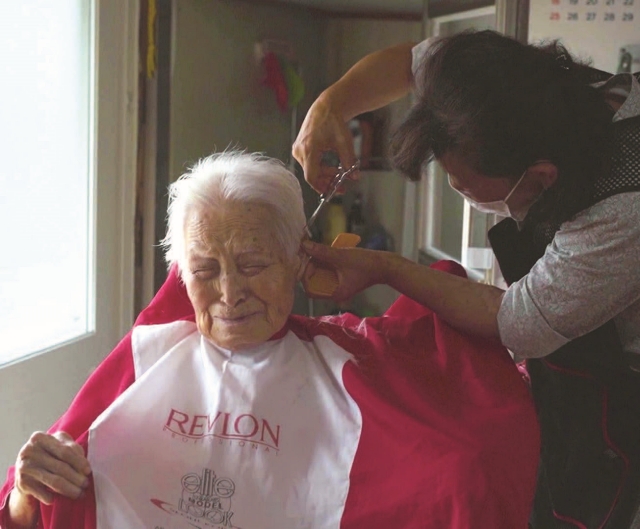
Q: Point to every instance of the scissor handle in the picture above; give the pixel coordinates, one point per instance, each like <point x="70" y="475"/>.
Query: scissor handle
<point x="329" y="194"/>
<point x="338" y="181"/>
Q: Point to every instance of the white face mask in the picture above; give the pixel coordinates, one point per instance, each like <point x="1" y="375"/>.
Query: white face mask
<point x="499" y="207"/>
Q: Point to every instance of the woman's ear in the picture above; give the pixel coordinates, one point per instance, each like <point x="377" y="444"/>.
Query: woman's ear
<point x="545" y="172"/>
<point x="302" y="260"/>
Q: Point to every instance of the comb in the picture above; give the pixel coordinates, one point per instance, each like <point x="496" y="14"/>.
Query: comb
<point x="324" y="281"/>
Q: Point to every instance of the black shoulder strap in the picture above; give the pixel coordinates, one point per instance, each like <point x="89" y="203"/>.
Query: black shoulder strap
<point x="624" y="171"/>
<point x="590" y="75"/>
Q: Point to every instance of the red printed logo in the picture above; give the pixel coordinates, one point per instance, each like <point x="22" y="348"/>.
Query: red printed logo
<point x="245" y="428"/>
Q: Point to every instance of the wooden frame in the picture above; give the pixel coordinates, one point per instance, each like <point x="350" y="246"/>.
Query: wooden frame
<point x="370" y="15"/>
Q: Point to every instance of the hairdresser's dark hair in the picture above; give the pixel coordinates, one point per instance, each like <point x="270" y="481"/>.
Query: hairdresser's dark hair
<point x="501" y="105"/>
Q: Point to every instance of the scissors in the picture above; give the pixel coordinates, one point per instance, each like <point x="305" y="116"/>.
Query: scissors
<point x="326" y="197"/>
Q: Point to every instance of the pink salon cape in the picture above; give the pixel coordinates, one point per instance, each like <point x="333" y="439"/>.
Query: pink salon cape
<point x="396" y="422"/>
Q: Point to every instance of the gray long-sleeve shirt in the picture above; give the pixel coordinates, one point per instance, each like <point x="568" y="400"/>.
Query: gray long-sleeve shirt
<point x="588" y="274"/>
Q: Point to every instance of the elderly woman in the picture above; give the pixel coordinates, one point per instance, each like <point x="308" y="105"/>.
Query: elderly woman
<point x="220" y="409"/>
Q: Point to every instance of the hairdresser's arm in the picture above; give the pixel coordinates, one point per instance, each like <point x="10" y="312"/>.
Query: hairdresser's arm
<point x="373" y="82"/>
<point x="466" y="305"/>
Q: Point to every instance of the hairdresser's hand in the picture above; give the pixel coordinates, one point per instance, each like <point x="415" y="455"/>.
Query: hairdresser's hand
<point x="357" y="268"/>
<point x="51" y="464"/>
<point x="323" y="130"/>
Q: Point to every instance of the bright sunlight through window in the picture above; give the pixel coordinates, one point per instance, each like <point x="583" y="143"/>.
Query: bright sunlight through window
<point x="45" y="175"/>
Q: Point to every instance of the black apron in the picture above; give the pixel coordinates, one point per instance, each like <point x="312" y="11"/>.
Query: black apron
<point x="587" y="396"/>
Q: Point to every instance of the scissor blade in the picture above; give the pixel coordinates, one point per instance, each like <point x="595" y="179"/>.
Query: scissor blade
<point x="326" y="197"/>
<point x="314" y="216"/>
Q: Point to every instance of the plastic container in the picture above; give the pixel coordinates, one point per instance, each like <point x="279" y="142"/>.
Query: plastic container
<point x="335" y="221"/>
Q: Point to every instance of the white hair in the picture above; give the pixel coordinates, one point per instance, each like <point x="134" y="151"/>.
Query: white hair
<point x="235" y="176"/>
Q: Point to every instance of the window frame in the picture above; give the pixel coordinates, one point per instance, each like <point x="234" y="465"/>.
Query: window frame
<point x="36" y="389"/>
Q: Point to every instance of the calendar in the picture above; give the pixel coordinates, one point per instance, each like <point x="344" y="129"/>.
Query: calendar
<point x="604" y="32"/>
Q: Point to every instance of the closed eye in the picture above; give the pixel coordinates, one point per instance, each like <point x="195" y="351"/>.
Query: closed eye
<point x="206" y="273"/>
<point x="253" y="269"/>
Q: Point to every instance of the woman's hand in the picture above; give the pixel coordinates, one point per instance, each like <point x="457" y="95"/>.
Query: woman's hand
<point x="47" y="465"/>
<point x="323" y="130"/>
<point x="356" y="268"/>
<point x="373" y="82"/>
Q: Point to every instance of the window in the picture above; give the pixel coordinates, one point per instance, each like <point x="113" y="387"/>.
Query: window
<point x="35" y="390"/>
<point x="47" y="175"/>
<point x="449" y="227"/>
<point x="452" y="229"/>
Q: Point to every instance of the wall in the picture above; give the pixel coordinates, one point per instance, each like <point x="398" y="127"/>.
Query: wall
<point x="217" y="99"/>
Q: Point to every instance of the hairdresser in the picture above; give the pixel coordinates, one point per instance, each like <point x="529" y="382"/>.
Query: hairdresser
<point x="527" y="133"/>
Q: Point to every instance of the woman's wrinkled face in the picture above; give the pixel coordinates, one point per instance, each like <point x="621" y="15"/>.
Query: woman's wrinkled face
<point x="238" y="278"/>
